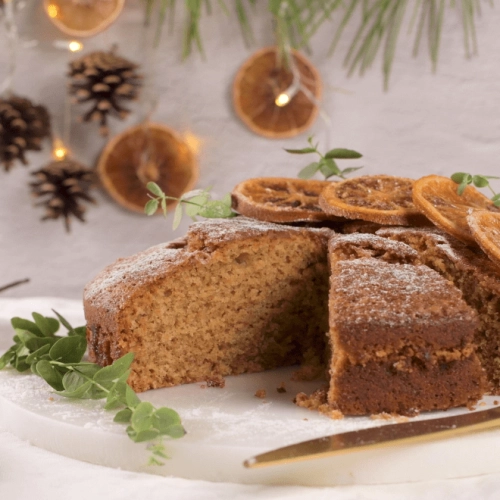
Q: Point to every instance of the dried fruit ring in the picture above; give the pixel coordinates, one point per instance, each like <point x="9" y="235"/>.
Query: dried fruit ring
<point x="279" y="199"/>
<point x="438" y="199"/>
<point x="485" y="227"/>
<point x="383" y="199"/>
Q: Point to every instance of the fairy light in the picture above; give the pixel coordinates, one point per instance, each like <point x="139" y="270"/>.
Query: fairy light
<point x="59" y="151"/>
<point x="75" y="46"/>
<point x="193" y="142"/>
<point x="282" y="100"/>
<point x="52" y="10"/>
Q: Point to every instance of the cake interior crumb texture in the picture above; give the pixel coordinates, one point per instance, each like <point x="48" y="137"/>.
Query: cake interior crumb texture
<point x="476" y="277"/>
<point x="215" y="307"/>
<point x="401" y="335"/>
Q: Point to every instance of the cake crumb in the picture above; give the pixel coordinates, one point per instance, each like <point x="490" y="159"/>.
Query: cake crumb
<point x="219" y="382"/>
<point x="203" y="386"/>
<point x="495" y="402"/>
<point x="482" y="403"/>
<point x="260" y="393"/>
<point x="317" y="401"/>
<point x="281" y="388"/>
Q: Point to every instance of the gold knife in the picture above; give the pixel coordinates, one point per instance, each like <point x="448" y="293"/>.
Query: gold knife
<point x="377" y="437"/>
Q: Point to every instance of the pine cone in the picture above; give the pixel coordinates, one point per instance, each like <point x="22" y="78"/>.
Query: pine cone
<point x="104" y="80"/>
<point x="22" y="127"/>
<point x="63" y="184"/>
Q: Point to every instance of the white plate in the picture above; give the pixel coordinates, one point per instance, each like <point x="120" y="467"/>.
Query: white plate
<point x="226" y="426"/>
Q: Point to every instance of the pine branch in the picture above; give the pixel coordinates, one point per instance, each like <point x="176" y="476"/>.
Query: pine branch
<point x="13" y="284"/>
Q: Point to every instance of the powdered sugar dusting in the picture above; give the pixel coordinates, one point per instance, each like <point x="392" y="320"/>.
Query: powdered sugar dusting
<point x="135" y="271"/>
<point x="394" y="294"/>
<point x="216" y="231"/>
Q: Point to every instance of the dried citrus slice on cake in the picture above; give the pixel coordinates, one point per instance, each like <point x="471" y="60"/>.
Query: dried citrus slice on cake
<point x="438" y="199"/>
<point x="485" y="227"/>
<point x="148" y="152"/>
<point x="262" y="79"/>
<point x="383" y="199"/>
<point x="83" y="17"/>
<point x="279" y="199"/>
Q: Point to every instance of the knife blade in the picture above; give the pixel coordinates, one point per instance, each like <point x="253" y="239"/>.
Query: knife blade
<point x="376" y="437"/>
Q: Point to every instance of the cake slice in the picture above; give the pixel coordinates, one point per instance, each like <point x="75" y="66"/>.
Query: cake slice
<point x="234" y="296"/>
<point x="401" y="335"/>
<point x="475" y="275"/>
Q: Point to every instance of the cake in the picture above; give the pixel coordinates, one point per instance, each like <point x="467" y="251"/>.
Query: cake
<point x="471" y="272"/>
<point x="234" y="296"/>
<point x="401" y="335"/>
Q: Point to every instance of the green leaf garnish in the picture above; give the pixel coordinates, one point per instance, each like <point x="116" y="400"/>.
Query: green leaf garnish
<point x="326" y="163"/>
<point x="463" y="179"/>
<point x="194" y="203"/>
<point x="59" y="361"/>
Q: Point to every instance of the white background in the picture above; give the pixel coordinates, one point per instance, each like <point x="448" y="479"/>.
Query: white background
<point x="426" y="123"/>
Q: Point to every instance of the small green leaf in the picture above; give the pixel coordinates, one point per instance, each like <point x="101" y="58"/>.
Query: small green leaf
<point x="176" y="431"/>
<point x="302" y="151"/>
<point x="329" y="168"/>
<point x="48" y="326"/>
<point x="155" y="189"/>
<point x="164" y="418"/>
<point x="141" y="436"/>
<point x="343" y="154"/>
<point x="458" y="177"/>
<point x="215" y="209"/>
<point x="7" y="357"/>
<point x="151" y="207"/>
<point x="142" y="417"/>
<point x="123" y="416"/>
<point x="195" y="204"/>
<point x="117" y="395"/>
<point x="177" y="216"/>
<point x="26" y="324"/>
<point x="461" y="188"/>
<point x="36" y="355"/>
<point x="113" y="372"/>
<point x="65" y="322"/>
<point x="79" y="330"/>
<point x="82" y="392"/>
<point x="50" y="374"/>
<point x="308" y="171"/>
<point x="131" y="397"/>
<point x="349" y="170"/>
<point x="480" y="181"/>
<point x="68" y="349"/>
<point x="164" y="206"/>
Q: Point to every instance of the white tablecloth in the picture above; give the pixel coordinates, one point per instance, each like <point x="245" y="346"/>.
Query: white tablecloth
<point x="29" y="472"/>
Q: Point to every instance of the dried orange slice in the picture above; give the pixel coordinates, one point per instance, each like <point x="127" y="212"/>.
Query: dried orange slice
<point x="261" y="80"/>
<point x="437" y="198"/>
<point x="485" y="227"/>
<point x="83" y="18"/>
<point x="279" y="199"/>
<point x="148" y="152"/>
<point x="383" y="199"/>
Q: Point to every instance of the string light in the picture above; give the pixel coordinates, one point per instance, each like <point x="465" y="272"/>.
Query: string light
<point x="59" y="151"/>
<point x="193" y="142"/>
<point x="282" y="100"/>
<point x="52" y="10"/>
<point x="75" y="46"/>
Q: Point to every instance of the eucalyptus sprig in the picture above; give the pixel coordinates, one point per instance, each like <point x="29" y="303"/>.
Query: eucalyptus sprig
<point x="326" y="163"/>
<point x="59" y="361"/>
<point x="195" y="203"/>
<point x="463" y="179"/>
